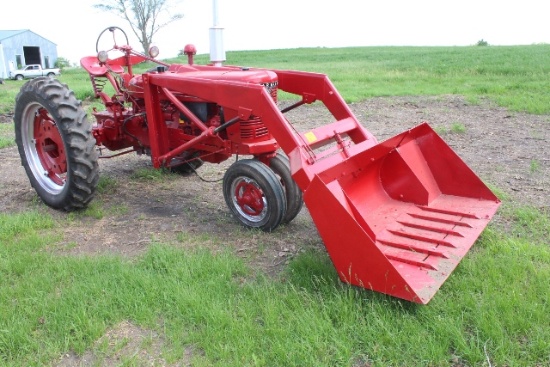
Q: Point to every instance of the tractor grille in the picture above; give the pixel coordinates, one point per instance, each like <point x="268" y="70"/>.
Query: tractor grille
<point x="253" y="128"/>
<point x="272" y="89"/>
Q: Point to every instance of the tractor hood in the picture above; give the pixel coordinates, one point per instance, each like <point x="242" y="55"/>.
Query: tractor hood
<point x="227" y="73"/>
<point x="264" y="77"/>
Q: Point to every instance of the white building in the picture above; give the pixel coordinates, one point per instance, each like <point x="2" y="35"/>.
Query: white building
<point x="24" y="47"/>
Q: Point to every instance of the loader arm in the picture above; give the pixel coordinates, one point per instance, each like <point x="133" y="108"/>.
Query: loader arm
<point x="396" y="217"/>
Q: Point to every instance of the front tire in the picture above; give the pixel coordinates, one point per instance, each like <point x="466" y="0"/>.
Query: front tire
<point x="55" y="143"/>
<point x="294" y="197"/>
<point x="254" y="194"/>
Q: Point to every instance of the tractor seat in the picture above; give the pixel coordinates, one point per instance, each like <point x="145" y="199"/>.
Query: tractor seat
<point x="92" y="66"/>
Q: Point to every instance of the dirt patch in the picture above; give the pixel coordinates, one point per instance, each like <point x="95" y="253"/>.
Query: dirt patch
<point x="6" y="119"/>
<point x="508" y="150"/>
<point x="124" y="344"/>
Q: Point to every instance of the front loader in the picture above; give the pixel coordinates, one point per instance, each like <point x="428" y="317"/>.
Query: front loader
<point x="396" y="216"/>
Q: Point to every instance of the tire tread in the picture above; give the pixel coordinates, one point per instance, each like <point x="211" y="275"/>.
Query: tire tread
<point x="75" y="130"/>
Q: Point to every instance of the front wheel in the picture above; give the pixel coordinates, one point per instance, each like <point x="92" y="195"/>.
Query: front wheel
<point x="254" y="194"/>
<point x="19" y="77"/>
<point x="294" y="200"/>
<point x="55" y="143"/>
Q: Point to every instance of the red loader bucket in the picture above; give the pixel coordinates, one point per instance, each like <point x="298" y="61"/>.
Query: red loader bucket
<point x="399" y="216"/>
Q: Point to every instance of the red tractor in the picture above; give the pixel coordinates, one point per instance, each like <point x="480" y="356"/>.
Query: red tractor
<point x="396" y="217"/>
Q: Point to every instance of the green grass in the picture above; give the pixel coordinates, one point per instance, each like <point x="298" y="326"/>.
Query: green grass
<point x="98" y="208"/>
<point x="512" y="76"/>
<point x="531" y="225"/>
<point x="495" y="305"/>
<point x="95" y="209"/>
<point x="106" y="184"/>
<point x="79" y="82"/>
<point x="7" y="135"/>
<point x="8" y="91"/>
<point x="534" y="166"/>
<point x="458" y="128"/>
<point x="150" y="174"/>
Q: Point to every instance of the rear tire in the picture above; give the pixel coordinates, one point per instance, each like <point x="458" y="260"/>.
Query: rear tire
<point x="294" y="197"/>
<point x="254" y="194"/>
<point x="55" y="143"/>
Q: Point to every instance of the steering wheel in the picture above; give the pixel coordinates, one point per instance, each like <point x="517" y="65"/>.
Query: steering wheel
<point x="113" y="30"/>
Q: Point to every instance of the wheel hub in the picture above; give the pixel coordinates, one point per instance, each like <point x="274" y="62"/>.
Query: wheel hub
<point x="249" y="199"/>
<point x="49" y="147"/>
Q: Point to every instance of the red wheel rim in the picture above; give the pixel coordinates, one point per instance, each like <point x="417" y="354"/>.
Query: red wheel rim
<point x="249" y="198"/>
<point x="49" y="147"/>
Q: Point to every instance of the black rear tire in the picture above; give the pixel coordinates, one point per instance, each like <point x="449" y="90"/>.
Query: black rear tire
<point x="254" y="194"/>
<point x="294" y="197"/>
<point x="55" y="143"/>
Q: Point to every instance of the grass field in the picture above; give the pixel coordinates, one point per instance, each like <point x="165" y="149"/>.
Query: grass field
<point x="495" y="306"/>
<point x="515" y="77"/>
<point x="494" y="310"/>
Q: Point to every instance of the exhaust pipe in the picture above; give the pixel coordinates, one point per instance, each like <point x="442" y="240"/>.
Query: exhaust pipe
<point x="217" y="52"/>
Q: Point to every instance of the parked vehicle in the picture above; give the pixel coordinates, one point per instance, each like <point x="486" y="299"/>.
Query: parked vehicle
<point x="33" y="71"/>
<point x="396" y="217"/>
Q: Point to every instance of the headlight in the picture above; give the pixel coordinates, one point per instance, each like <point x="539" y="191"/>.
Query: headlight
<point x="103" y="56"/>
<point x="154" y="51"/>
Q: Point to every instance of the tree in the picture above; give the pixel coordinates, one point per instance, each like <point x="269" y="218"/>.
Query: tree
<point x="62" y="63"/>
<point x="482" y="42"/>
<point x="144" y="16"/>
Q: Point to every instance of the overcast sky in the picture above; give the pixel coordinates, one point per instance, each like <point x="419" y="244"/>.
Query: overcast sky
<point x="260" y="24"/>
